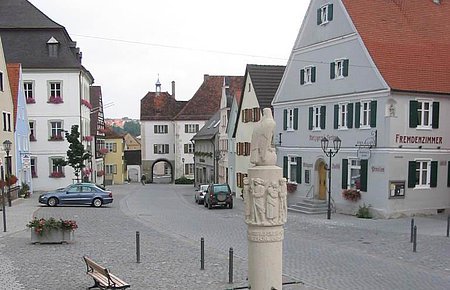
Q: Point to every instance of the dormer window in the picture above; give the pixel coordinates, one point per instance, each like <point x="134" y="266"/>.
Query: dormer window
<point x="52" y="45"/>
<point x="325" y="14"/>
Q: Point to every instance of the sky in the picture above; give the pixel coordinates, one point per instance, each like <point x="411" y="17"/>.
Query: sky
<point x="127" y="45"/>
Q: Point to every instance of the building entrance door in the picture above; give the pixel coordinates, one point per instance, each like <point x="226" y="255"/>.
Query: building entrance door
<point x="322" y="181"/>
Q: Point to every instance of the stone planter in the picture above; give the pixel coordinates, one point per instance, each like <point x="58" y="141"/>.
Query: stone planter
<point x="52" y="237"/>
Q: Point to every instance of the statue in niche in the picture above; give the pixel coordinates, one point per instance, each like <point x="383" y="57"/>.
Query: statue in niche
<point x="273" y="207"/>
<point x="282" y="191"/>
<point x="258" y="192"/>
<point x="391" y="110"/>
<point x="262" y="152"/>
<point x="248" y="199"/>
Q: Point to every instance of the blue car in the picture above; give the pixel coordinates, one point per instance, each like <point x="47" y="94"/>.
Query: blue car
<point x="79" y="193"/>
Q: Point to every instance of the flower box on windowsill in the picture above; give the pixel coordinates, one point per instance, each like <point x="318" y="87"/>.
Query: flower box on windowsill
<point x="34" y="175"/>
<point x="55" y="100"/>
<point x="291" y="187"/>
<point x="56" y="138"/>
<point x="31" y="101"/>
<point x="86" y="103"/>
<point x="351" y="194"/>
<point x="57" y="174"/>
<point x="100" y="173"/>
<point x="103" y="151"/>
<point x="88" y="138"/>
<point x="32" y="138"/>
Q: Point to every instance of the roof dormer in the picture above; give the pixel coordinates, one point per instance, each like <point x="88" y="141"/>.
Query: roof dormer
<point x="52" y="45"/>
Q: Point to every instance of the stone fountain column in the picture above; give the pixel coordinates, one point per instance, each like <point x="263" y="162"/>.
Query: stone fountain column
<point x="265" y="195"/>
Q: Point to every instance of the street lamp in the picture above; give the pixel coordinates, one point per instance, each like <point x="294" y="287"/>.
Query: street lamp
<point x="7" y="148"/>
<point x="330" y="152"/>
<point x="182" y="160"/>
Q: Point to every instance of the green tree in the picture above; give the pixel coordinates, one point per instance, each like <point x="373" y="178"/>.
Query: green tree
<point x="132" y="127"/>
<point x="76" y="155"/>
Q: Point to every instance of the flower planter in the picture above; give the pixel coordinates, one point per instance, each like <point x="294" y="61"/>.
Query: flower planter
<point x="54" y="236"/>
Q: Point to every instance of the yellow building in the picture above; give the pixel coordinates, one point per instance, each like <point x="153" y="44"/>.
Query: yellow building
<point x="132" y="143"/>
<point x="115" y="167"/>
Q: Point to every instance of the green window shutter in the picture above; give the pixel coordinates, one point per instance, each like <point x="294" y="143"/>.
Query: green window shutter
<point x="310" y="118"/>
<point x="345" y="71"/>
<point x="332" y="75"/>
<point x="413" y="114"/>
<point x="363" y="175"/>
<point x="357" y="114"/>
<point x="302" y="76"/>
<point x="448" y="173"/>
<point x="330" y="12"/>
<point x="299" y="170"/>
<point x="336" y="116"/>
<point x="435" y="115"/>
<point x="323" y="111"/>
<point x="155" y="149"/>
<point x="319" y="18"/>
<point x="166" y="148"/>
<point x="313" y="74"/>
<point x="185" y="148"/>
<point x="154" y="129"/>
<point x="411" y="174"/>
<point x="344" y="173"/>
<point x="433" y="174"/>
<point x="285" y="167"/>
<point x="296" y="119"/>
<point x="285" y="119"/>
<point x="350" y="115"/>
<point x="373" y="114"/>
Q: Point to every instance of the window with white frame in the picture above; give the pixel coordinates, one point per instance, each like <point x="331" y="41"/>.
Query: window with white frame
<point x="189" y="169"/>
<point x="188" y="148"/>
<point x="111" y="168"/>
<point x="354" y="178"/>
<point x="56" y="169"/>
<point x="161" y="148"/>
<point x="292" y="169"/>
<point x="7" y="121"/>
<point x="316" y="118"/>
<point x="423" y="173"/>
<point x="29" y="91"/>
<point x="339" y="68"/>
<point x="56" y="130"/>
<point x="190" y="128"/>
<point x="161" y="129"/>
<point x="365" y="114"/>
<point x="111" y="146"/>
<point x="424" y="110"/>
<point x="325" y="14"/>
<point x="290" y="119"/>
<point x="308" y="75"/>
<point x="33" y="167"/>
<point x="307" y="176"/>
<point x="343" y="112"/>
<point x="55" y="89"/>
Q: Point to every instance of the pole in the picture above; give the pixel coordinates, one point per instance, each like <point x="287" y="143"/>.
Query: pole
<point x="415" y="239"/>
<point x="412" y="229"/>
<point x="329" y="188"/>
<point x="3" y="209"/>
<point x="138" y="248"/>
<point x="8" y="175"/>
<point x="448" y="225"/>
<point x="230" y="266"/>
<point x="202" y="254"/>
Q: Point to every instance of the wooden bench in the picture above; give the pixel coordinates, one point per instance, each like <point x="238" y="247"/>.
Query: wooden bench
<point x="103" y="279"/>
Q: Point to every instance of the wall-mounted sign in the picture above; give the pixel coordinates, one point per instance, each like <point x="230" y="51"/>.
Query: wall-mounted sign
<point x="377" y="169"/>
<point x="396" y="189"/>
<point x="411" y="139"/>
<point x="307" y="165"/>
<point x="363" y="153"/>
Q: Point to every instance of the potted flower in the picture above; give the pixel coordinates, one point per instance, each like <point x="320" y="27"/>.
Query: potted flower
<point x="57" y="174"/>
<point x="103" y="150"/>
<point x="100" y="173"/>
<point x="11" y="180"/>
<point x="31" y="101"/>
<point x="51" y="230"/>
<point x="86" y="103"/>
<point x="351" y="194"/>
<point x="24" y="190"/>
<point x="88" y="138"/>
<point x="291" y="187"/>
<point x="55" y="100"/>
<point x="56" y="138"/>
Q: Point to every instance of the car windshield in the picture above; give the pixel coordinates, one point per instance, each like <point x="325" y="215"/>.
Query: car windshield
<point x="221" y="188"/>
<point x="203" y="187"/>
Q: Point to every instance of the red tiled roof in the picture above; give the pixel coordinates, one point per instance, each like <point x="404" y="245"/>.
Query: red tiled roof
<point x="160" y="107"/>
<point x="409" y="41"/>
<point x="14" y="76"/>
<point x="206" y="101"/>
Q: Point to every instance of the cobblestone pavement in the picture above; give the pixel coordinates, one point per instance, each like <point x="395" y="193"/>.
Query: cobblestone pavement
<point x="341" y="253"/>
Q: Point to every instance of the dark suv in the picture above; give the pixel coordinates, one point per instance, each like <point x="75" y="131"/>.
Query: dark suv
<point x="218" y="194"/>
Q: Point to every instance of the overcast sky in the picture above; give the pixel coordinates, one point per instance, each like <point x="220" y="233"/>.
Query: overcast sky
<point x="126" y="44"/>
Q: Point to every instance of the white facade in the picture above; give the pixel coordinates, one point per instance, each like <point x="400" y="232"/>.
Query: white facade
<point x="74" y="86"/>
<point x="184" y="147"/>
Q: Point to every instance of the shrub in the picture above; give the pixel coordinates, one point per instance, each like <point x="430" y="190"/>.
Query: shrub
<point x="184" y="180"/>
<point x="24" y="190"/>
<point x="41" y="225"/>
<point x="364" y="212"/>
<point x="351" y="194"/>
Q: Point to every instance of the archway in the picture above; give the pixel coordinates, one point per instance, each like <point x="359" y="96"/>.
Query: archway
<point x="162" y="171"/>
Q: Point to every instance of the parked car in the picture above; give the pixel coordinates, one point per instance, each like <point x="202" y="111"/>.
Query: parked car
<point x="218" y="194"/>
<point x="199" y="195"/>
<point x="78" y="193"/>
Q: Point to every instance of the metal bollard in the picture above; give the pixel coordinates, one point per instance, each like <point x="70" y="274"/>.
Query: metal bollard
<point x="230" y="266"/>
<point x="412" y="229"/>
<point x="138" y="248"/>
<point x="415" y="239"/>
<point x="202" y="254"/>
<point x="448" y="225"/>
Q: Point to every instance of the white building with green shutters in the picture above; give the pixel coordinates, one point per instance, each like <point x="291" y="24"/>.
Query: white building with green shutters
<point x="380" y="82"/>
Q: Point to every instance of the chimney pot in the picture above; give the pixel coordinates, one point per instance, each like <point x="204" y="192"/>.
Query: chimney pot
<point x="205" y="77"/>
<point x="173" y="89"/>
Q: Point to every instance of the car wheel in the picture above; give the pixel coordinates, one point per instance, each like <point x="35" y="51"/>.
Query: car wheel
<point x="97" y="202"/>
<point x="52" y="201"/>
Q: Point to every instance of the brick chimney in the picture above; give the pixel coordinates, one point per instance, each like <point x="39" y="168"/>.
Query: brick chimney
<point x="205" y="77"/>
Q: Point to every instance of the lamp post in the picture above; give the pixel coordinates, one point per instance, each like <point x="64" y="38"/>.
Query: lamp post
<point x="182" y="169"/>
<point x="7" y="148"/>
<point x="330" y="152"/>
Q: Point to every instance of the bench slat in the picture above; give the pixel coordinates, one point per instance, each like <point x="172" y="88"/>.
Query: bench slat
<point x="103" y="276"/>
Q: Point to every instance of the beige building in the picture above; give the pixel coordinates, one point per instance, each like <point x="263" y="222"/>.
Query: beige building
<point x="115" y="168"/>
